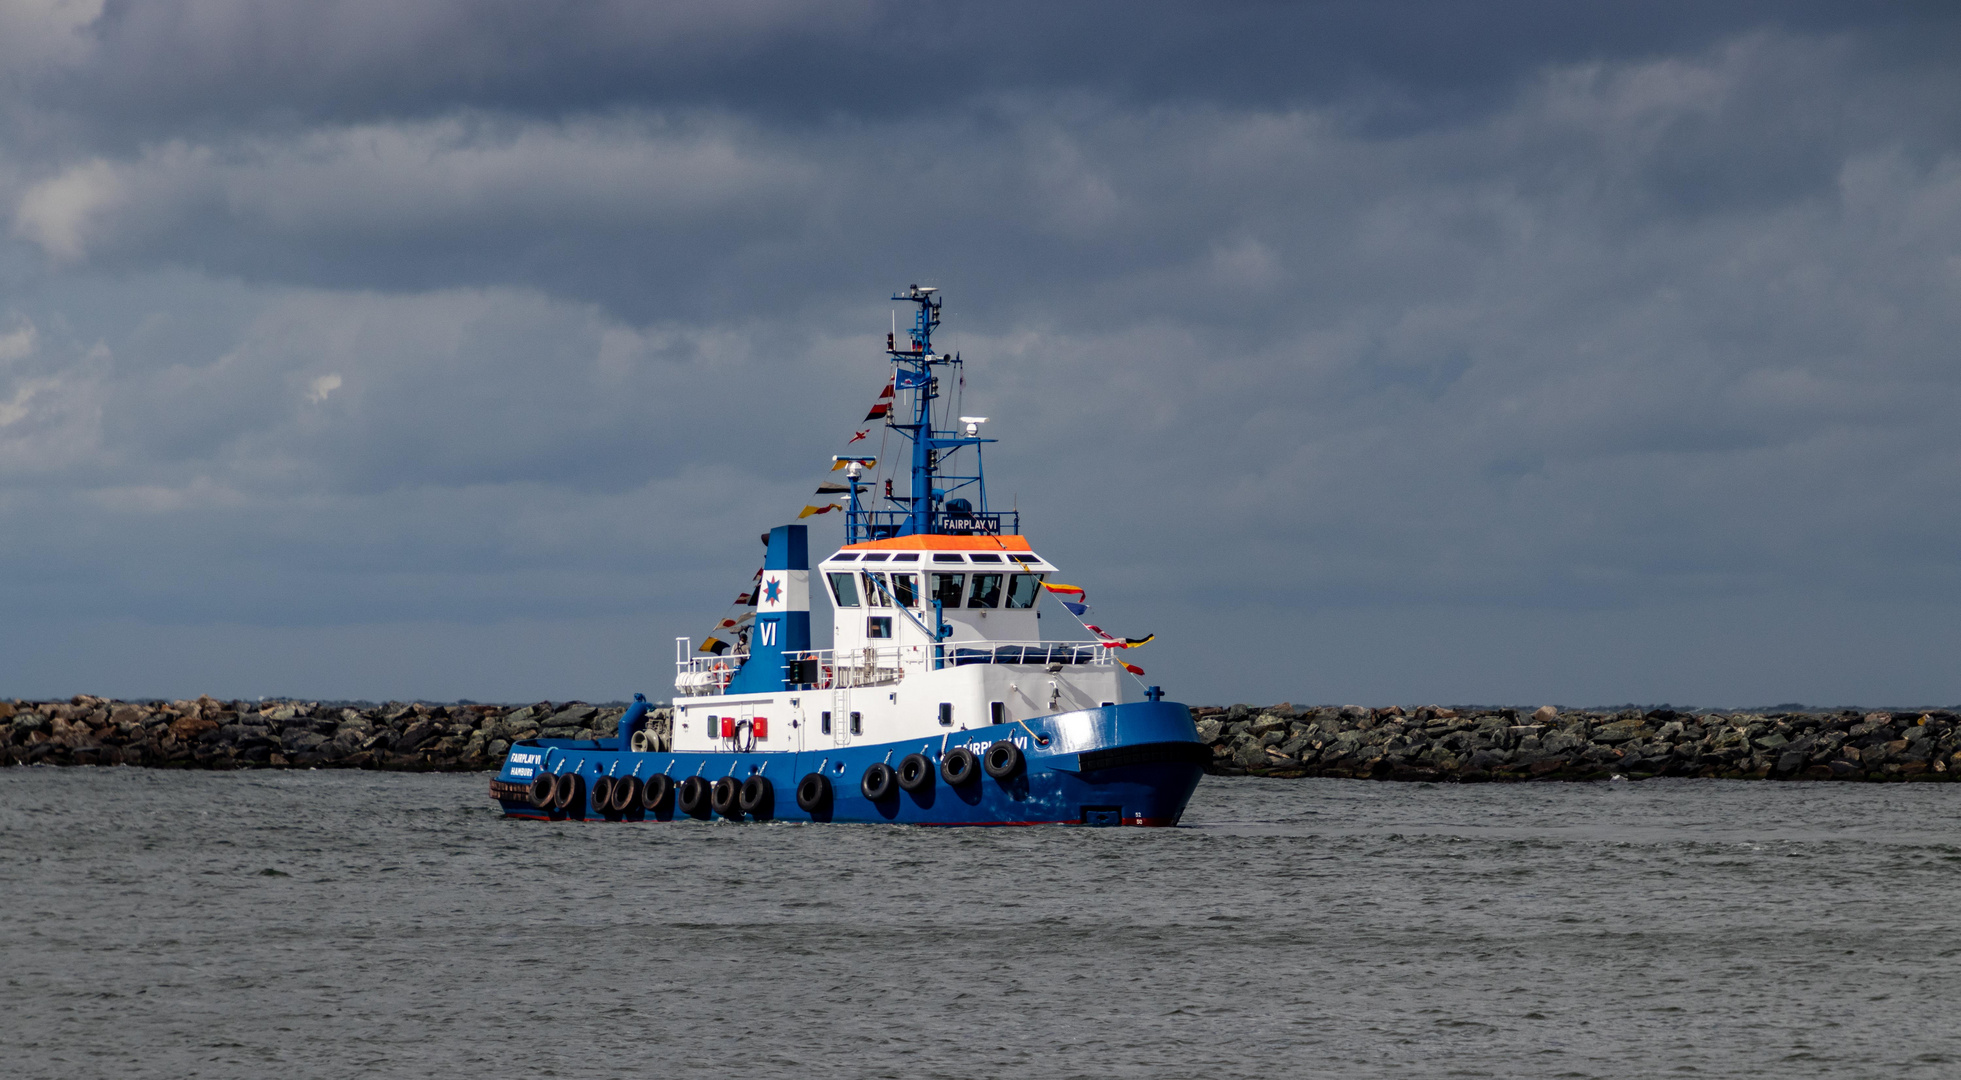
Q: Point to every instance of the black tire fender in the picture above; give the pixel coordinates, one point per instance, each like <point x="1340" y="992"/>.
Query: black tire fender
<point x="959" y="767"/>
<point x="626" y="793"/>
<point x="915" y="773"/>
<point x="878" y="782"/>
<point x="602" y="793"/>
<point x="814" y="793"/>
<point x="692" y="797"/>
<point x="726" y="797"/>
<point x="758" y="798"/>
<point x="570" y="789"/>
<point x="657" y="792"/>
<point x="541" y="790"/>
<point x="1003" y="760"/>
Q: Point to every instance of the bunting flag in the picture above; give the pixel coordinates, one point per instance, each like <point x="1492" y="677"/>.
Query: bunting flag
<point x="1077" y="606"/>
<point x="881" y="409"/>
<point x="1109" y="642"/>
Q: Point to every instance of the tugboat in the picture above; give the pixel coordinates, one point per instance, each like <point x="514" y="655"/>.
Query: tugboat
<point x="940" y="702"/>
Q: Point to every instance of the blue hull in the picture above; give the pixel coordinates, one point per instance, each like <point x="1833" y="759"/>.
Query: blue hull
<point x="1132" y="764"/>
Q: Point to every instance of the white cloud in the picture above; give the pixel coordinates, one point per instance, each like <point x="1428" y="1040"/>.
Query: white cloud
<point x="19" y="343"/>
<point x="15" y="409"/>
<point x="435" y="182"/>
<point x="318" y="389"/>
<point x="63" y="214"/>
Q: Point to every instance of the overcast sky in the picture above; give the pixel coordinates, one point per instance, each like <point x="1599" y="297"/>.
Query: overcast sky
<point x="1365" y="352"/>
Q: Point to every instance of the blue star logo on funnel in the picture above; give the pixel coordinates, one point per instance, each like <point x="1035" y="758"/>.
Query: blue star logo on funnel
<point x="772" y="591"/>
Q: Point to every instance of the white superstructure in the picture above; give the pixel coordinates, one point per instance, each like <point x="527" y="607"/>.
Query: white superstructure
<point x="886" y="678"/>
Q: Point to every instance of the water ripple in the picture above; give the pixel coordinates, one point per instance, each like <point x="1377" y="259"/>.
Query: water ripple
<point x="332" y="923"/>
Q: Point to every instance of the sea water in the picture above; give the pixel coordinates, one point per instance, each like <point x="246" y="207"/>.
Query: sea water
<point x="335" y="924"/>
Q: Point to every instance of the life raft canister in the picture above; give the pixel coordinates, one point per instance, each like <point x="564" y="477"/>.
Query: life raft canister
<point x="1003" y="760"/>
<point x="959" y="767"/>
<point x="915" y="773"/>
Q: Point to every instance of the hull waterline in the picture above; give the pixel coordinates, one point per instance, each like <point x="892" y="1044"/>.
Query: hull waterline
<point x="1130" y="764"/>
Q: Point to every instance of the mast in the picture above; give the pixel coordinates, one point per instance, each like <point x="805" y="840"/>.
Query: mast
<point x="918" y="366"/>
<point x="942" y="498"/>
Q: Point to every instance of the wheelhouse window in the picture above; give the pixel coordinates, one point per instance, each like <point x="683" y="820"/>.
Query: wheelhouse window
<point x="984" y="558"/>
<point x="948" y="587"/>
<point x="844" y="589"/>
<point x="905" y="589"/>
<point x="987" y="591"/>
<point x="878" y="626"/>
<point x="1024" y="590"/>
<point x="874" y="593"/>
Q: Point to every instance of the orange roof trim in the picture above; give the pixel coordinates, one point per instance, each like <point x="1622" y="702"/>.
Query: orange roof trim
<point x="936" y="542"/>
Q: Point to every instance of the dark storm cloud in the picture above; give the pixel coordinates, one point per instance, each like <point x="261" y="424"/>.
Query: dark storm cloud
<point x="1360" y="325"/>
<point x="223" y="62"/>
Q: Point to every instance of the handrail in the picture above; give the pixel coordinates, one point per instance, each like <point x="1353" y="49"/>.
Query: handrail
<point x="886" y="665"/>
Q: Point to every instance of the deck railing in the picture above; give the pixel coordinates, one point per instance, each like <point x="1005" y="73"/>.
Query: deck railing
<point x="834" y="669"/>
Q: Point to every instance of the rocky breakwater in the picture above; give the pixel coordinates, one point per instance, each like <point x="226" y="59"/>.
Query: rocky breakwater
<point x="1467" y="745"/>
<point x="211" y="734"/>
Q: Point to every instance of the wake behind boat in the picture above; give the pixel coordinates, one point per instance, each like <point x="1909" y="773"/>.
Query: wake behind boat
<point x="940" y="702"/>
